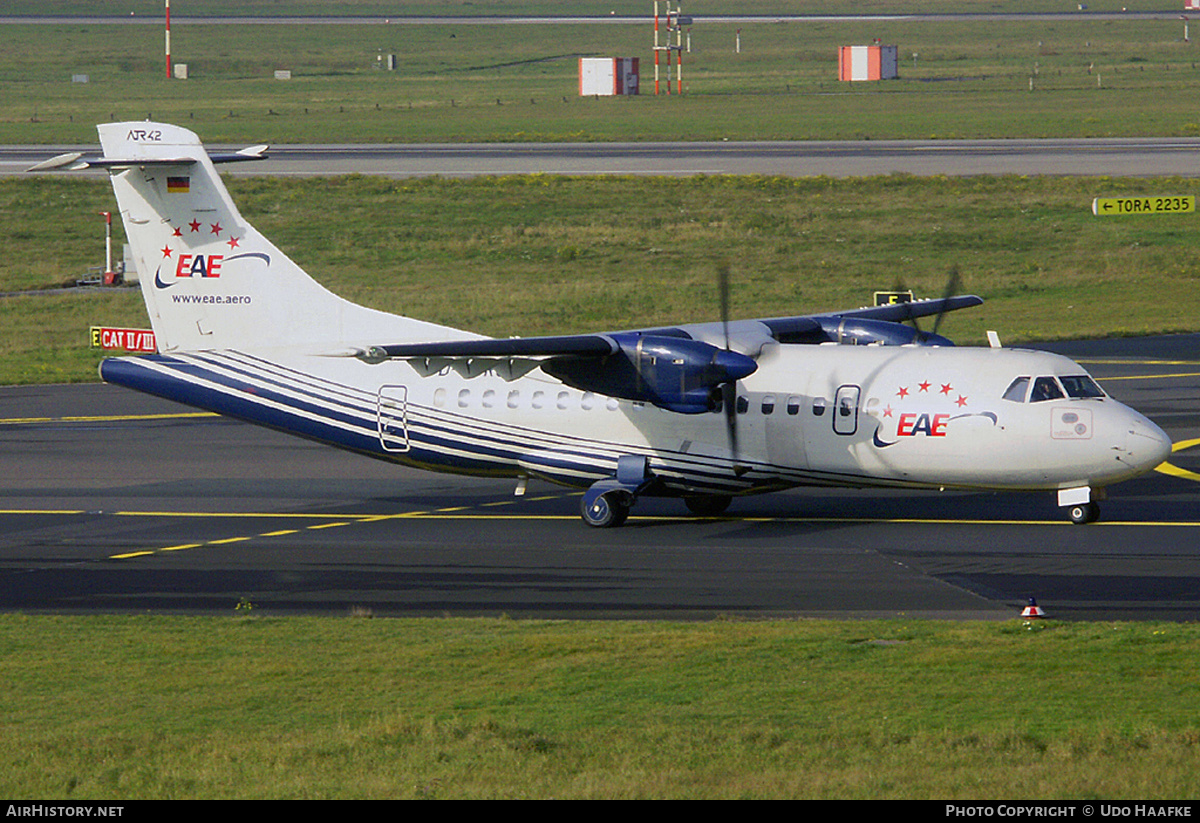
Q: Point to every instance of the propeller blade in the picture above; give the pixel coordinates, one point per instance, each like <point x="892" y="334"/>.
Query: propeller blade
<point x="723" y="296"/>
<point x="729" y="404"/>
<point x="728" y="390"/>
<point x="953" y="285"/>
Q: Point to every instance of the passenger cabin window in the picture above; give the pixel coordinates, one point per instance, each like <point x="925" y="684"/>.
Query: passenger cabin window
<point x="1045" y="388"/>
<point x="818" y="406"/>
<point x="768" y="404"/>
<point x="793" y="405"/>
<point x="1016" y="390"/>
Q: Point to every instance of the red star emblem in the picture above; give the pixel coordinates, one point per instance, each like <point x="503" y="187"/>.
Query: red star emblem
<point x="178" y="232"/>
<point x="887" y="412"/>
<point x="216" y="228"/>
<point x="961" y="401"/>
<point x="233" y="242"/>
<point x="903" y="392"/>
<point x="946" y="388"/>
<point x="166" y="250"/>
<point x="924" y="385"/>
<point x="194" y="225"/>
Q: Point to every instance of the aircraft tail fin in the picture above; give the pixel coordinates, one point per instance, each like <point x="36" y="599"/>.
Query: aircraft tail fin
<point x="209" y="279"/>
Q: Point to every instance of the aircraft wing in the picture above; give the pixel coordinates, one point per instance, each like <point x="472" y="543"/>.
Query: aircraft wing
<point x="673" y="372"/>
<point x="871" y="325"/>
<point x="583" y="345"/>
<point x="682" y="368"/>
<point x="898" y="312"/>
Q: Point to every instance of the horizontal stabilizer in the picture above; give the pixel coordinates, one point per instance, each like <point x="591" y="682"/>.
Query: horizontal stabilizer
<point x="75" y="161"/>
<point x="57" y="162"/>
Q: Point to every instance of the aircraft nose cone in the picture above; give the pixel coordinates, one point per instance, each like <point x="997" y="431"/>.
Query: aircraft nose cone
<point x="1146" y="444"/>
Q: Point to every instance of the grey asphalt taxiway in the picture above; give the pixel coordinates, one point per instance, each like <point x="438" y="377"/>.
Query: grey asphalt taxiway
<point x="1132" y="157"/>
<point x="112" y="501"/>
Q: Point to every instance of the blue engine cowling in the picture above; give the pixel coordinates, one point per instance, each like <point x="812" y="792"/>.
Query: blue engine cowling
<point x="673" y="373"/>
<point x="864" y="331"/>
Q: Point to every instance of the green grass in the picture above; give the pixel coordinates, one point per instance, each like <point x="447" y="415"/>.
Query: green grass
<point x="544" y="254"/>
<point x="581" y="8"/>
<point x="125" y="708"/>
<point x="544" y="7"/>
<point x="520" y="82"/>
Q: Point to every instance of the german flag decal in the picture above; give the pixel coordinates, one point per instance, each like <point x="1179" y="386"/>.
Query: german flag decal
<point x="179" y="185"/>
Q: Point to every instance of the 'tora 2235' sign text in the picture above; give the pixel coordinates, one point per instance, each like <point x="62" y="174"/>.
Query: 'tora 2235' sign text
<point x="1114" y="206"/>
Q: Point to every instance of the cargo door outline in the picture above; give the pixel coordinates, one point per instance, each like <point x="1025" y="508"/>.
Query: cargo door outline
<point x="391" y="418"/>
<point x="845" y="410"/>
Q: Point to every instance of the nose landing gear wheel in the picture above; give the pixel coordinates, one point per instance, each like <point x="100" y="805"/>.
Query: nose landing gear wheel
<point x="1085" y="513"/>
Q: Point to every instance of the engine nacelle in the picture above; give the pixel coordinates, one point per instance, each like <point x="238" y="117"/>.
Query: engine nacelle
<point x="863" y="332"/>
<point x="673" y="373"/>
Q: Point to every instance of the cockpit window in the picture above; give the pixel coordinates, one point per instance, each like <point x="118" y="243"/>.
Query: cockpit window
<point x="1045" y="388"/>
<point x="1016" y="390"/>
<point x="1080" y="385"/>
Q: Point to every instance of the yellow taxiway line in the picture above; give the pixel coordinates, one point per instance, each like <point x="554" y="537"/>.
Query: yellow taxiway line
<point x="105" y="418"/>
<point x="1175" y="471"/>
<point x="341" y="520"/>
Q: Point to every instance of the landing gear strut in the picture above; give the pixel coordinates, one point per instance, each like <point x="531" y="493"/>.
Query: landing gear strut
<point x="606" y="503"/>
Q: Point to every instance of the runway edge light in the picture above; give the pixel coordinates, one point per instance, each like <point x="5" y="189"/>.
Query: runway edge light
<point x="1033" y="611"/>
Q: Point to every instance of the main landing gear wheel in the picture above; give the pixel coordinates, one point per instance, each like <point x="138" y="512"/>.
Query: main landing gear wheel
<point x="1085" y="513"/>
<point x="606" y="511"/>
<point x="708" y="505"/>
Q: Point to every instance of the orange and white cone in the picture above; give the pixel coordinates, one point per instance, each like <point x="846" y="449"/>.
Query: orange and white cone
<point x="1033" y="610"/>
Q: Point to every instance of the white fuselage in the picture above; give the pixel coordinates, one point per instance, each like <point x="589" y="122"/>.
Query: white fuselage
<point x="826" y="415"/>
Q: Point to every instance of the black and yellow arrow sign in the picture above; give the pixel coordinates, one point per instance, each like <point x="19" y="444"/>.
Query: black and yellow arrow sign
<point x="1114" y="206"/>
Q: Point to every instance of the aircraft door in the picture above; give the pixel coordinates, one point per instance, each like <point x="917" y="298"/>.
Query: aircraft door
<point x="785" y="429"/>
<point x="391" y="414"/>
<point x="845" y="410"/>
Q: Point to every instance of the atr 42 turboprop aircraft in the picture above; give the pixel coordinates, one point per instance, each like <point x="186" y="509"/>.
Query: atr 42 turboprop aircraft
<point x="703" y="412"/>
